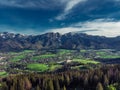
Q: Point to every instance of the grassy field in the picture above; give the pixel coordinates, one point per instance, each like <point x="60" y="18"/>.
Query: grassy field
<point x="81" y="67"/>
<point x="107" y="55"/>
<point x="43" y="67"/>
<point x="100" y="53"/>
<point x="22" y="52"/>
<point x="37" y="67"/>
<point x="54" y="67"/>
<point x="2" y="74"/>
<point x="110" y="56"/>
<point x="28" y="51"/>
<point x="64" y="51"/>
<point x="18" y="58"/>
<point x="82" y="51"/>
<point x="43" y="56"/>
<point x="85" y="61"/>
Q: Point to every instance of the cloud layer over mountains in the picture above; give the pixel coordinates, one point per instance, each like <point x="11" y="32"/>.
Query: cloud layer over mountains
<point x="94" y="17"/>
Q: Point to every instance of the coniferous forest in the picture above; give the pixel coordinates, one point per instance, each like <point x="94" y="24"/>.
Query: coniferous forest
<point x="105" y="78"/>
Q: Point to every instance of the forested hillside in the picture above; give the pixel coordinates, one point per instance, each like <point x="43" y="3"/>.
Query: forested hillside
<point x="105" y="78"/>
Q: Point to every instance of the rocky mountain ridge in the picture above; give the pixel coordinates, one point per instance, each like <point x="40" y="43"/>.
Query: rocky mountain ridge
<point x="17" y="42"/>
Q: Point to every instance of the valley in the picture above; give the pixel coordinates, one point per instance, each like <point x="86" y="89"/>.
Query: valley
<point x="59" y="62"/>
<point x="56" y="60"/>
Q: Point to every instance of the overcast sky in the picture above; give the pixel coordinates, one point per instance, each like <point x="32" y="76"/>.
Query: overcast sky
<point x="96" y="17"/>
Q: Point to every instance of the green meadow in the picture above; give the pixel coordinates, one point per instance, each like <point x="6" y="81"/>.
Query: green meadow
<point x="43" y="56"/>
<point x="85" y="61"/>
<point x="18" y="58"/>
<point x="43" y="67"/>
<point x="2" y="74"/>
<point x="37" y="67"/>
<point x="54" y="67"/>
<point x="64" y="51"/>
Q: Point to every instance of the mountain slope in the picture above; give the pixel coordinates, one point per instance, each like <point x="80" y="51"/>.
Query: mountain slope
<point x="17" y="42"/>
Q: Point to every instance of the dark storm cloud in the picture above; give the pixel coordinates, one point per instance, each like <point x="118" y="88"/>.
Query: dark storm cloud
<point x="43" y="4"/>
<point x="94" y="9"/>
<point x="71" y="9"/>
<point x="45" y="15"/>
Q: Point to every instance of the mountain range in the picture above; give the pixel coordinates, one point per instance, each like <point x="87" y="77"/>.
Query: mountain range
<point x="18" y="42"/>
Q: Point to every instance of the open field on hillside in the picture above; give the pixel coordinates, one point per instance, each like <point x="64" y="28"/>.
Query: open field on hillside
<point x="3" y="73"/>
<point x="37" y="67"/>
<point x="82" y="61"/>
<point x="43" y="56"/>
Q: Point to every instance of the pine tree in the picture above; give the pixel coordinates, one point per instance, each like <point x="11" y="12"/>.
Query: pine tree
<point x="50" y="85"/>
<point x="28" y="84"/>
<point x="64" y="88"/>
<point x="38" y="88"/>
<point x="4" y="87"/>
<point x="67" y="79"/>
<point x="99" y="86"/>
<point x="106" y="81"/>
<point x="56" y="85"/>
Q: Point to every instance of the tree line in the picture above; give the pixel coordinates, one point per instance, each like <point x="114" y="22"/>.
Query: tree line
<point x="105" y="78"/>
